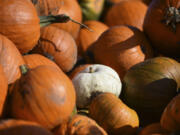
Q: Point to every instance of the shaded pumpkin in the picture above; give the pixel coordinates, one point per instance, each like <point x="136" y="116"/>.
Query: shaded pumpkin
<point x="120" y="48"/>
<point x="117" y="1"/>
<point x="59" y="46"/>
<point x="86" y="38"/>
<point x="154" y="128"/>
<point x="150" y="85"/>
<point x="170" y="119"/>
<point x="34" y="60"/>
<point x="10" y="59"/>
<point x="127" y="12"/>
<point x="162" y="27"/>
<point x="82" y="125"/>
<point x="21" y="127"/>
<point x="44" y="95"/>
<point x="55" y="7"/>
<point x="3" y="89"/>
<point x="113" y="115"/>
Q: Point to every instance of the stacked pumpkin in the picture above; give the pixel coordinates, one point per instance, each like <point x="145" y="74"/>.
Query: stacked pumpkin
<point x="89" y="67"/>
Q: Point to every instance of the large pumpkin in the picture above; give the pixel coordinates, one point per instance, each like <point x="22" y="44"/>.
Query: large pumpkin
<point x="59" y="46"/>
<point x="150" y="85"/>
<point x="170" y="119"/>
<point x="10" y="59"/>
<point x="44" y="95"/>
<point x="86" y="38"/>
<point x="162" y="26"/>
<point x="120" y="48"/>
<point x="21" y="127"/>
<point x="127" y="12"/>
<point x="55" y="7"/>
<point x="113" y="115"/>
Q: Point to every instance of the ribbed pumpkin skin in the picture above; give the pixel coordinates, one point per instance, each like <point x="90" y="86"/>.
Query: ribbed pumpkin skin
<point x="127" y="12"/>
<point x="162" y="36"/>
<point x="10" y="59"/>
<point x="149" y="86"/>
<point x="120" y="48"/>
<point x="21" y="127"/>
<point x="68" y="7"/>
<point x="82" y="125"/>
<point x="43" y="95"/>
<point x="20" y="26"/>
<point x="170" y="119"/>
<point x="3" y="89"/>
<point x="34" y="60"/>
<point x="113" y="115"/>
<point x="86" y="38"/>
<point x="153" y="129"/>
<point x="60" y="45"/>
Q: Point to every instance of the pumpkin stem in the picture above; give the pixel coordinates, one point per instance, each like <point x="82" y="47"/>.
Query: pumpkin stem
<point x="172" y="17"/>
<point x="61" y="18"/>
<point x="24" y="69"/>
<point x="91" y="70"/>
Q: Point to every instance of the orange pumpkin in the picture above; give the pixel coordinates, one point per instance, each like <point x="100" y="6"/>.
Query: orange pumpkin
<point x="21" y="127"/>
<point x="127" y="12"/>
<point x="86" y="38"/>
<point x="59" y="46"/>
<point x="34" y="60"/>
<point x="120" y="48"/>
<point x="10" y="59"/>
<point x="170" y="119"/>
<point x="44" y="95"/>
<point x="3" y="89"/>
<point x="113" y="115"/>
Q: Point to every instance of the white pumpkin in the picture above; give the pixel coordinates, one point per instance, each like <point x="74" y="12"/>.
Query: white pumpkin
<point x="94" y="79"/>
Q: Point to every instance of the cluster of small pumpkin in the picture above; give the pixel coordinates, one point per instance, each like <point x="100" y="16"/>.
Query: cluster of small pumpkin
<point x="118" y="74"/>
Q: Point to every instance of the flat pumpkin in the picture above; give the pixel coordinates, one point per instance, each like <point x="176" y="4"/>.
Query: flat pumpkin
<point x="150" y="85"/>
<point x="162" y="26"/>
<point x="121" y="47"/>
<point x="44" y="95"/>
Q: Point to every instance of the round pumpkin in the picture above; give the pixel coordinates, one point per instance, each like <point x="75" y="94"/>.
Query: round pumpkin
<point x="10" y="59"/>
<point x="153" y="129"/>
<point x="59" y="46"/>
<point x="162" y="26"/>
<point x="150" y="85"/>
<point x="3" y="89"/>
<point x="113" y="115"/>
<point x="44" y="95"/>
<point x="95" y="79"/>
<point x="170" y="119"/>
<point x="21" y="127"/>
<point x="127" y="12"/>
<point x="120" y="48"/>
<point x="86" y="38"/>
<point x="35" y="60"/>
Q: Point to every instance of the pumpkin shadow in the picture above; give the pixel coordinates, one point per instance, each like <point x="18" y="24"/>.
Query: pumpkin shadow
<point x="125" y="130"/>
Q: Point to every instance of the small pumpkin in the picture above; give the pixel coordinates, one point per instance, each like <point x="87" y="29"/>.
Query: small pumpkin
<point x="150" y="85"/>
<point x="152" y="129"/>
<point x="162" y="26"/>
<point x="34" y="60"/>
<point x="127" y="12"/>
<point x="3" y="89"/>
<point x="94" y="79"/>
<point x="113" y="115"/>
<point x="170" y="119"/>
<point x="10" y="59"/>
<point x="59" y="46"/>
<point x="44" y="95"/>
<point x="121" y="47"/>
<point x="86" y="38"/>
<point x="82" y="125"/>
<point x="21" y="127"/>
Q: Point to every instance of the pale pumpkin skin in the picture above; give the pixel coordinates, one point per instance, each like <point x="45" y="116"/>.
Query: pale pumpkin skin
<point x="93" y="79"/>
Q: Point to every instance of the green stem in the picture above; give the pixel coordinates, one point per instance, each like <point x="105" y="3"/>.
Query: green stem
<point x="24" y="69"/>
<point x="61" y="18"/>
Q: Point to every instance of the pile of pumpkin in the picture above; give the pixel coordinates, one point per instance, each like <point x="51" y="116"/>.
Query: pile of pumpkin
<point x="89" y="67"/>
